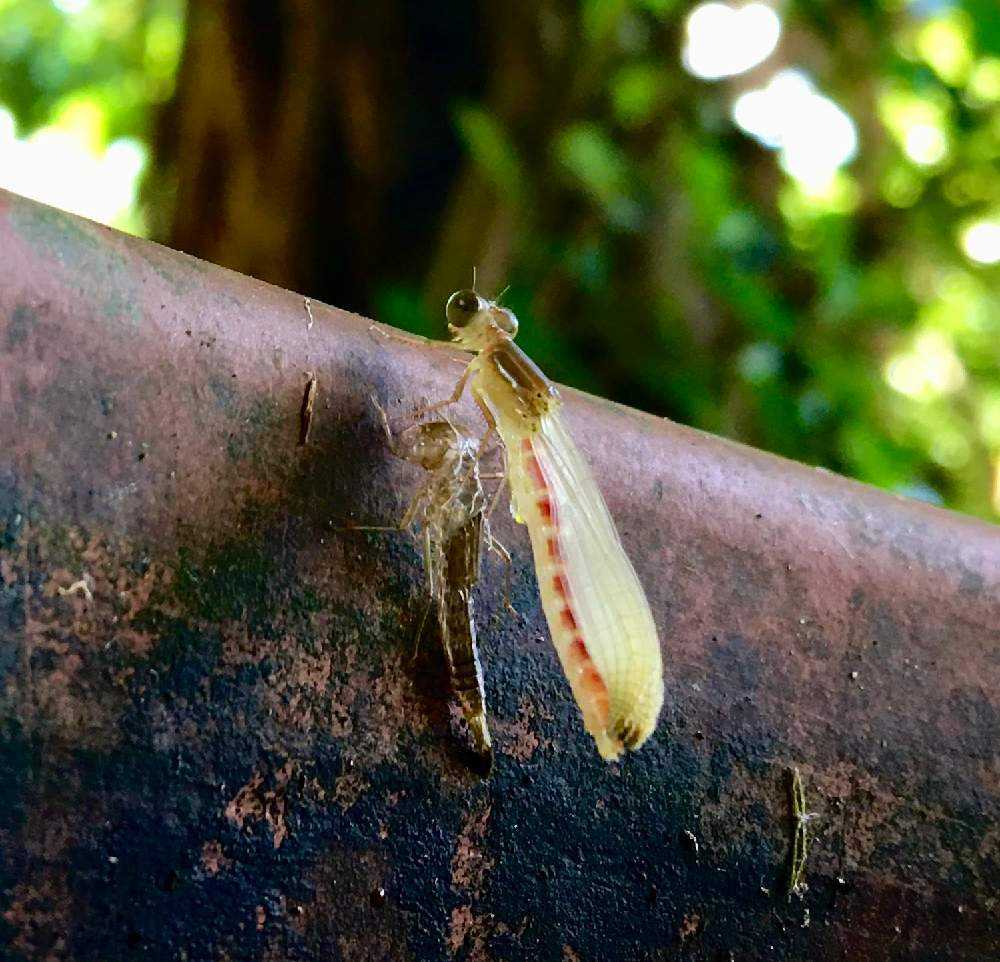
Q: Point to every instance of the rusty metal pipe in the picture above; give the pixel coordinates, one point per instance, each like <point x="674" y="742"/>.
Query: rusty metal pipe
<point x="214" y="741"/>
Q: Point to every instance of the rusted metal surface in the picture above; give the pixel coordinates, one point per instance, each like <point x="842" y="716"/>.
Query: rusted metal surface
<point x="217" y="746"/>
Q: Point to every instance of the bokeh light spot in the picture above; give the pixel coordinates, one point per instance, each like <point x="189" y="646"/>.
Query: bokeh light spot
<point x="928" y="370"/>
<point x="984" y="82"/>
<point x="722" y="40"/>
<point x="814" y="135"/>
<point x="981" y="242"/>
<point x="71" y="7"/>
<point x="944" y="43"/>
<point x="66" y="166"/>
<point x="925" y="144"/>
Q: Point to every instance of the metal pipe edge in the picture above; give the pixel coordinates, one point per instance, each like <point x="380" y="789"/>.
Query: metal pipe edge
<point x="215" y="739"/>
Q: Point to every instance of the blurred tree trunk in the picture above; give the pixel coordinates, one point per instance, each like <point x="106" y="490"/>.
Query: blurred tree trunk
<point x="312" y="144"/>
<point x="291" y="147"/>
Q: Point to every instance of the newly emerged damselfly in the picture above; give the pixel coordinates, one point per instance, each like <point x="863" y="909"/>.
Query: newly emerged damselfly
<point x="597" y="612"/>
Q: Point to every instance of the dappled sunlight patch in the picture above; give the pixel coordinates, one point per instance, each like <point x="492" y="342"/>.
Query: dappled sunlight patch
<point x="65" y="166"/>
<point x="980" y="241"/>
<point x="723" y="40"/>
<point x="927" y="370"/>
<point x="944" y="43"/>
<point x="918" y="122"/>
<point x="814" y="136"/>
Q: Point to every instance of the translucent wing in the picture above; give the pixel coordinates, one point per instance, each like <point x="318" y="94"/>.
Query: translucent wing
<point x="597" y="611"/>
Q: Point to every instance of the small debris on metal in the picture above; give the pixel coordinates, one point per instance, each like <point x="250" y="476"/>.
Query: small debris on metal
<point x="691" y="924"/>
<point x="308" y="403"/>
<point x="308" y="306"/>
<point x="388" y="333"/>
<point x="800" y="840"/>
<point x="693" y="839"/>
<point x="80" y="585"/>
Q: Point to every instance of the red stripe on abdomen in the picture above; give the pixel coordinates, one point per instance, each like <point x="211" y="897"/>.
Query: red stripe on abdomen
<point x="581" y="665"/>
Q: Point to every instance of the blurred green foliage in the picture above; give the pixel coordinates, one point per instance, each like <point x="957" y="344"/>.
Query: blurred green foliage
<point x="121" y="54"/>
<point x="93" y="69"/>
<point x="661" y="255"/>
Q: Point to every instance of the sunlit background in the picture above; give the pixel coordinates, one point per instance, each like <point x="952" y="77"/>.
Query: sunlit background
<point x="80" y="83"/>
<point x="776" y="221"/>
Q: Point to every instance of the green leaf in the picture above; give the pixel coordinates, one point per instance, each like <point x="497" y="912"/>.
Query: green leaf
<point x="593" y="160"/>
<point x="600" y="17"/>
<point x="636" y="92"/>
<point x="491" y="149"/>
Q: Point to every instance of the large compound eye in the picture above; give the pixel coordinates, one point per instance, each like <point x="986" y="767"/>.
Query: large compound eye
<point x="506" y="320"/>
<point x="462" y="307"/>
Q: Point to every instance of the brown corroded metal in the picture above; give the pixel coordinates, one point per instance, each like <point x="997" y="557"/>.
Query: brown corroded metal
<point x="214" y="741"/>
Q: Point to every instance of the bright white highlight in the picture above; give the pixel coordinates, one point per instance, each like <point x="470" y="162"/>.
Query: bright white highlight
<point x="61" y="168"/>
<point x="929" y="369"/>
<point x="71" y="6"/>
<point x="723" y="41"/>
<point x="925" y="144"/>
<point x="981" y="242"/>
<point x="815" y="137"/>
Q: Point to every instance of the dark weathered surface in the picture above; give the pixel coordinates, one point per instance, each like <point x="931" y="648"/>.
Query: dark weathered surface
<point x="227" y="753"/>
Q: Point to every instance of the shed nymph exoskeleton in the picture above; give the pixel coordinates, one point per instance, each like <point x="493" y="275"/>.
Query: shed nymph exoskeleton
<point x="596" y="609"/>
<point x="449" y="507"/>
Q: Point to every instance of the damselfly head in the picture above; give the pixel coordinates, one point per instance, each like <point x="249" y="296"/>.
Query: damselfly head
<point x="475" y="322"/>
<point x="428" y="444"/>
